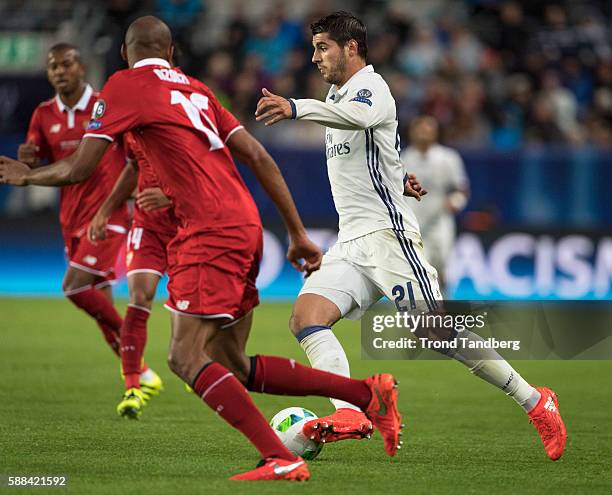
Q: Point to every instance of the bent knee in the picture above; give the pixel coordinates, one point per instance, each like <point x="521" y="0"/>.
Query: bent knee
<point x="175" y="362"/>
<point x="235" y="361"/>
<point x="71" y="283"/>
<point x="313" y="310"/>
<point x="179" y="363"/>
<point x="241" y="371"/>
<point x="77" y="280"/>
<point x="301" y="319"/>
<point x="70" y="288"/>
<point x="141" y="297"/>
<point x="186" y="362"/>
<point x="295" y="322"/>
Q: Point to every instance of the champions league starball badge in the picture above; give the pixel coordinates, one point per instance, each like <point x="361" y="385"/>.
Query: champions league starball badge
<point x="363" y="96"/>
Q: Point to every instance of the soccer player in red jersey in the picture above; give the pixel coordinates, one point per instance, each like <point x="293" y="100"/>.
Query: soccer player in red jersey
<point x="154" y="226"/>
<point x="190" y="141"/>
<point x="56" y="129"/>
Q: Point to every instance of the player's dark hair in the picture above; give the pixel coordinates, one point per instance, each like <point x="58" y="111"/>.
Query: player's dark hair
<point x="342" y="27"/>
<point x="61" y="47"/>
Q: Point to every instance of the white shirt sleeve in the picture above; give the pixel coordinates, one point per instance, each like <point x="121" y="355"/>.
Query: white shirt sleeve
<point x="405" y="157"/>
<point x="458" y="183"/>
<point x="457" y="177"/>
<point x="360" y="109"/>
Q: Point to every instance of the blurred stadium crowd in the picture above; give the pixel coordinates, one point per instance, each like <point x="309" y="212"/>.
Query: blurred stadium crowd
<point x="494" y="73"/>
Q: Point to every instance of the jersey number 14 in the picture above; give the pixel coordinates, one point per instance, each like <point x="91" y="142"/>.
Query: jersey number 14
<point x="195" y="107"/>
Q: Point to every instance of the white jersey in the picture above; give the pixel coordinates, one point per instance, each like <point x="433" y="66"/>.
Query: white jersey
<point x="440" y="170"/>
<point x="362" y="147"/>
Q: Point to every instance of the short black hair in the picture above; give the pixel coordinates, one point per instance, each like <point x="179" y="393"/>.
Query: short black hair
<point x="342" y="27"/>
<point x="60" y="47"/>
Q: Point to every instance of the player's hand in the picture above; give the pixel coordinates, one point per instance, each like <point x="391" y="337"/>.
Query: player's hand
<point x="27" y="153"/>
<point x="13" y="172"/>
<point x="152" y="198"/>
<point x="413" y="188"/>
<point x="96" y="230"/>
<point x="302" y="248"/>
<point x="272" y="108"/>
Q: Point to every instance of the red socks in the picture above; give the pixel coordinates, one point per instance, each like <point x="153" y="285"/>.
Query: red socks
<point x="282" y="376"/>
<point x="133" y="340"/>
<point x="96" y="304"/>
<point x="223" y="393"/>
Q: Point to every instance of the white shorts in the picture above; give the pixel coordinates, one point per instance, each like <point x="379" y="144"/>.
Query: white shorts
<point x="356" y="274"/>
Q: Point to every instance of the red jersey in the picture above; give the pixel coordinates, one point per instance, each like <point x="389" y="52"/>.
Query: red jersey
<point x="183" y="128"/>
<point x="57" y="130"/>
<point x="161" y="220"/>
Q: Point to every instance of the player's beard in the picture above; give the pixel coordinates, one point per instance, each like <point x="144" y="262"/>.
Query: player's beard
<point x="336" y="76"/>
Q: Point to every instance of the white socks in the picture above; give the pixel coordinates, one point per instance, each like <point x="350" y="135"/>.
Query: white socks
<point x="494" y="369"/>
<point x="325" y="353"/>
<point x="147" y="375"/>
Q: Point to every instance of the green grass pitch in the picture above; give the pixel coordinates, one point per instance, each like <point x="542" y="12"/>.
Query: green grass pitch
<point x="59" y="385"/>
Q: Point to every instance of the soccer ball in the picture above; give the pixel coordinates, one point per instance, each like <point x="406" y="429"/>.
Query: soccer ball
<point x="288" y="424"/>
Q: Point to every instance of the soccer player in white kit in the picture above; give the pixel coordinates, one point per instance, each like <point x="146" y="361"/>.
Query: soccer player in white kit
<point x="379" y="250"/>
<point x="441" y="171"/>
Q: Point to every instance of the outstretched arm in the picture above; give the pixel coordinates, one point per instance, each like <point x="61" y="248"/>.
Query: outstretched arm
<point x="75" y="168"/>
<point x="122" y="191"/>
<point x="249" y="151"/>
<point x="353" y="114"/>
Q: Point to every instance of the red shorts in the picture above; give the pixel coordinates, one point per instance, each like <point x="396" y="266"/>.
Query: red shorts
<point x="213" y="275"/>
<point x="147" y="251"/>
<point x="99" y="258"/>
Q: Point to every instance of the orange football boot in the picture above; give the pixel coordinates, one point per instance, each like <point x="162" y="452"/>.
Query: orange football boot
<point x="546" y="418"/>
<point x="343" y="424"/>
<point x="383" y="412"/>
<point x="273" y="468"/>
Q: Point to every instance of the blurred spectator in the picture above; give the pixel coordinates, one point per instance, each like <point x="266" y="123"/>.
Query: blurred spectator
<point x="465" y="50"/>
<point x="578" y="80"/>
<point x="513" y="112"/>
<point x="182" y="17"/>
<point x="542" y="127"/>
<point x="556" y="38"/>
<point x="513" y="35"/>
<point x="423" y="55"/>
<point x="178" y="14"/>
<point x="274" y="37"/>
<point x="599" y="121"/>
<point x="563" y="103"/>
<point x="236" y="35"/>
<point x="116" y="19"/>
<point x="469" y="127"/>
<point x="438" y="100"/>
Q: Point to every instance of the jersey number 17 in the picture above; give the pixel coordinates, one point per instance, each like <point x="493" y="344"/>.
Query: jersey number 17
<point x="195" y="107"/>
